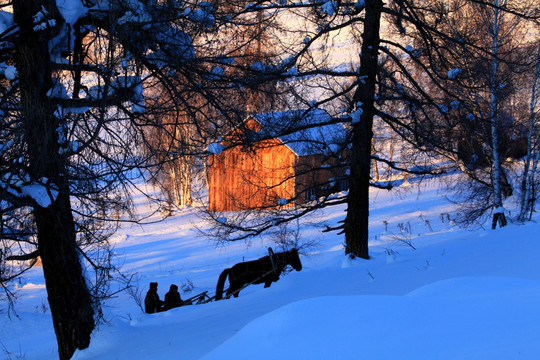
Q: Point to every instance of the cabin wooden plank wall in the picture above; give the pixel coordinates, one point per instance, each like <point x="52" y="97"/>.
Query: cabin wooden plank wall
<point x="318" y="176"/>
<point x="255" y="178"/>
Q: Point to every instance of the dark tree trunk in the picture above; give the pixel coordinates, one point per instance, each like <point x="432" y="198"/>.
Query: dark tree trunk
<point x="69" y="298"/>
<point x="356" y="223"/>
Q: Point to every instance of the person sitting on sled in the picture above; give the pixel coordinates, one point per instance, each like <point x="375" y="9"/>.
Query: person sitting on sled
<point x="172" y="298"/>
<point x="152" y="303"/>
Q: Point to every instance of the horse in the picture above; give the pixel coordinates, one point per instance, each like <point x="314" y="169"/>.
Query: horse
<point x="264" y="270"/>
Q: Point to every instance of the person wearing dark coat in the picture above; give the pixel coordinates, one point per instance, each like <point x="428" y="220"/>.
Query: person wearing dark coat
<point x="152" y="303"/>
<point x="172" y="298"/>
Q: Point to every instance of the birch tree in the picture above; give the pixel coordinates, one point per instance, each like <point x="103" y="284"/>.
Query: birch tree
<point x="482" y="72"/>
<point x="493" y="24"/>
<point x="533" y="154"/>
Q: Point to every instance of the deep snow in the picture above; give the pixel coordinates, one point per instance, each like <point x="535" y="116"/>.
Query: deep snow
<point x="462" y="294"/>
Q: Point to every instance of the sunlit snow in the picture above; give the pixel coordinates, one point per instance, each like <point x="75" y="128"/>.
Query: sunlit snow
<point x="462" y="294"/>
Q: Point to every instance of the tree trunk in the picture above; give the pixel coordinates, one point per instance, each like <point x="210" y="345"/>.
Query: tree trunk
<point x="186" y="176"/>
<point x="391" y="155"/>
<point x="356" y="222"/>
<point x="175" y="184"/>
<point x="528" y="176"/>
<point x="498" y="215"/>
<point x="68" y="295"/>
<point x="375" y="162"/>
<point x="69" y="298"/>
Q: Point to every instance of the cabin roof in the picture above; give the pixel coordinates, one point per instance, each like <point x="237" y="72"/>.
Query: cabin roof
<point x="320" y="137"/>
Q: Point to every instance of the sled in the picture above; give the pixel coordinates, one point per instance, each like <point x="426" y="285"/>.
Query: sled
<point x="201" y="298"/>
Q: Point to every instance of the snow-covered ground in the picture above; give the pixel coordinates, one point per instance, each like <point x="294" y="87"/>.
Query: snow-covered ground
<point x="459" y="294"/>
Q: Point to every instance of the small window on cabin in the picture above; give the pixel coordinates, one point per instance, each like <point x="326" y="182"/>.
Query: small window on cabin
<point x="310" y="194"/>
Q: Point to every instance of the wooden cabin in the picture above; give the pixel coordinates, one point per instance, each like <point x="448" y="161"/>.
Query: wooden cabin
<point x="261" y="168"/>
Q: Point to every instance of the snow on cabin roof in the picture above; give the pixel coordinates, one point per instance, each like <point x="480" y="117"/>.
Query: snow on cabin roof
<point x="318" y="139"/>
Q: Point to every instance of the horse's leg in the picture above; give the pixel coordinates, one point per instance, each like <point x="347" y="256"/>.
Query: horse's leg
<point x="233" y="287"/>
<point x="233" y="290"/>
<point x="230" y="289"/>
<point x="274" y="277"/>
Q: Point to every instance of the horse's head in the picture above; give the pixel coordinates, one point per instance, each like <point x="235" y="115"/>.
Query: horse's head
<point x="294" y="260"/>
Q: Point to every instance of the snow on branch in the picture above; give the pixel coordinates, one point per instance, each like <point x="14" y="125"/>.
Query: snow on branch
<point x="453" y="73"/>
<point x="71" y="10"/>
<point x="215" y="148"/>
<point x="203" y="15"/>
<point x="6" y="22"/>
<point x="40" y="193"/>
<point x="329" y="7"/>
<point x="9" y="71"/>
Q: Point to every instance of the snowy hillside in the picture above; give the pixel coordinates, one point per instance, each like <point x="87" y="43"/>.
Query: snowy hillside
<point x="430" y="291"/>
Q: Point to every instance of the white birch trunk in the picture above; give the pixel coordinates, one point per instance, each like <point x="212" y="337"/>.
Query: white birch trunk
<point x="177" y="199"/>
<point x="181" y="173"/>
<point x="528" y="176"/>
<point x="498" y="214"/>
<point x="391" y="155"/>
<point x="186" y="173"/>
